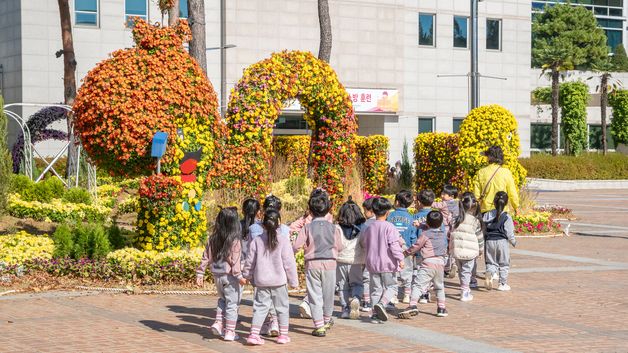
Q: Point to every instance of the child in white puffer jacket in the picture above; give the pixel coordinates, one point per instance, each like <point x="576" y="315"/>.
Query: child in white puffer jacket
<point x="467" y="242"/>
<point x="350" y="261"/>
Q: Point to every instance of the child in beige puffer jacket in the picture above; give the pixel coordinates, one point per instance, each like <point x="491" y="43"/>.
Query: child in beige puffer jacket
<point x="468" y="242"/>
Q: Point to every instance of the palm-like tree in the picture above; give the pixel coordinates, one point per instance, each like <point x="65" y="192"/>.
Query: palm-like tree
<point x="607" y="85"/>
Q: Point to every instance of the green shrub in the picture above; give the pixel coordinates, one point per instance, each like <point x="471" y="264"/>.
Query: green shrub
<point x="77" y="195"/>
<point x="589" y="166"/>
<point x="116" y="239"/>
<point x="47" y="189"/>
<point x="619" y="125"/>
<point x="64" y="242"/>
<point x="23" y="185"/>
<point x="99" y="242"/>
<point x="82" y="242"/>
<point x="573" y="100"/>
<point x="541" y="95"/>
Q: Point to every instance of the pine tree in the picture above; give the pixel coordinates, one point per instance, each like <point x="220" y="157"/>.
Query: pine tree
<point x="620" y="59"/>
<point x="406" y="168"/>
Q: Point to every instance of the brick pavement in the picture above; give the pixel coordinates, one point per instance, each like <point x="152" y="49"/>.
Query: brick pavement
<point x="558" y="304"/>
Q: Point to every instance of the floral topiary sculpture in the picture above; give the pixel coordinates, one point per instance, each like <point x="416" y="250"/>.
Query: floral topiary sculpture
<point x="124" y="100"/>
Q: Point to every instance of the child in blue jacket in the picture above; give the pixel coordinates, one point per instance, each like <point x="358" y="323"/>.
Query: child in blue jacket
<point x="402" y="220"/>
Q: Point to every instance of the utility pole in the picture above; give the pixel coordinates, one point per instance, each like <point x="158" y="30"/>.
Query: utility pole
<point x="474" y="75"/>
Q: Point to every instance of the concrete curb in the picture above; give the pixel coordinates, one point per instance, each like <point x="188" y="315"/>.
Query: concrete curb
<point x="569" y="185"/>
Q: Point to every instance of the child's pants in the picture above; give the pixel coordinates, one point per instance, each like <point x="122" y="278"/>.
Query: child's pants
<point x="366" y="282"/>
<point x="465" y="272"/>
<point x="228" y="288"/>
<point x="321" y="285"/>
<point x="383" y="287"/>
<point x="498" y="258"/>
<point x="406" y="275"/>
<point x="267" y="298"/>
<point x="350" y="285"/>
<point x="426" y="275"/>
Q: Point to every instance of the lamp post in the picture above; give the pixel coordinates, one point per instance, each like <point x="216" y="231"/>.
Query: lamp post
<point x="474" y="75"/>
<point x="223" y="57"/>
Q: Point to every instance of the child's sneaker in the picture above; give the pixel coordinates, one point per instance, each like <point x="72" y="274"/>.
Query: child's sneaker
<point x="380" y="312"/>
<point x="488" y="281"/>
<point x="366" y="307"/>
<point x="504" y="287"/>
<point x="412" y="310"/>
<point x="304" y="310"/>
<point x="230" y="336"/>
<point x="453" y="271"/>
<point x="283" y="339"/>
<point x="375" y="320"/>
<point x="329" y="324"/>
<point x="319" y="332"/>
<point x="406" y="299"/>
<point x="425" y="298"/>
<point x="394" y="300"/>
<point x="254" y="340"/>
<point x="473" y="284"/>
<point x="216" y="329"/>
<point x="391" y="308"/>
<point x="354" y="309"/>
<point x="270" y="328"/>
<point x="466" y="296"/>
<point x="345" y="313"/>
<point x="441" y="312"/>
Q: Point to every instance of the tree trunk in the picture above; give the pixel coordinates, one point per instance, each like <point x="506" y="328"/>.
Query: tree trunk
<point x="173" y="14"/>
<point x="324" y="49"/>
<point x="196" y="17"/>
<point x="555" y="77"/>
<point x="603" y="105"/>
<point x="69" y="82"/>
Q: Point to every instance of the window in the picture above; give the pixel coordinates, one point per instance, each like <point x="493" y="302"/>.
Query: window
<point x="541" y="136"/>
<point x="461" y="29"/>
<point x="291" y="122"/>
<point x="86" y="13"/>
<point x="135" y="8"/>
<point x="183" y="9"/>
<point x="426" y="29"/>
<point x="493" y="34"/>
<point x="595" y="138"/>
<point x="456" y="126"/>
<point x="426" y="125"/>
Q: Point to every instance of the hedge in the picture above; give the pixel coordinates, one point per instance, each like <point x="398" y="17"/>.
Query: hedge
<point x="588" y="166"/>
<point x="619" y="124"/>
<point x="296" y="151"/>
<point x="573" y="100"/>
<point x="373" y="152"/>
<point x="435" y="161"/>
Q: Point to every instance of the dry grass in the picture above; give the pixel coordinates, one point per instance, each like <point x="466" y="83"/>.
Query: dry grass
<point x="527" y="200"/>
<point x="279" y="168"/>
<point x="354" y="186"/>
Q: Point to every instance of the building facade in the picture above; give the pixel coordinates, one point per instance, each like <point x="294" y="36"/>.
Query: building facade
<point x="413" y="55"/>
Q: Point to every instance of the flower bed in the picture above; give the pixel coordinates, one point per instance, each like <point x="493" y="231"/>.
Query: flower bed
<point x="56" y="210"/>
<point x="556" y="211"/>
<point x="536" y="223"/>
<point x="21" y="247"/>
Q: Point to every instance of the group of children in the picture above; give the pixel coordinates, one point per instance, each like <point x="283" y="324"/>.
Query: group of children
<point x="368" y="257"/>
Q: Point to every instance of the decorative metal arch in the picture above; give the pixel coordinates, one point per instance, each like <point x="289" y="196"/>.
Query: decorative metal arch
<point x="30" y="150"/>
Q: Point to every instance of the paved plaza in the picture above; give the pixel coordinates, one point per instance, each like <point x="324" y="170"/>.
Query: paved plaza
<point x="569" y="294"/>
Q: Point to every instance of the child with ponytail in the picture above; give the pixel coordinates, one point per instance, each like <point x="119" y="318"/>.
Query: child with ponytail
<point x="223" y="252"/>
<point x="270" y="266"/>
<point x="500" y="230"/>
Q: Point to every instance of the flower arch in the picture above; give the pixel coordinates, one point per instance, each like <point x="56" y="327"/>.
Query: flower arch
<point x="256" y="102"/>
